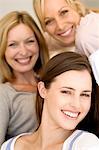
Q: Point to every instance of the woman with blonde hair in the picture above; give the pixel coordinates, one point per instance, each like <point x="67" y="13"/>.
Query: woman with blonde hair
<point x="23" y="53"/>
<point x="59" y="19"/>
<point x="72" y="26"/>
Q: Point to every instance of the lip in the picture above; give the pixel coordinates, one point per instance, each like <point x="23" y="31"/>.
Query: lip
<point x="70" y="114"/>
<point x="66" y="33"/>
<point x="23" y="61"/>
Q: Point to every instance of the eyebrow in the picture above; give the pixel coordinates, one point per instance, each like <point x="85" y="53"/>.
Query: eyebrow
<point x="32" y="36"/>
<point x="75" y="89"/>
<point x="62" y="8"/>
<point x="58" y="12"/>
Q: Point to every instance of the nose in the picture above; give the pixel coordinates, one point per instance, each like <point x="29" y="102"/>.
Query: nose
<point x="23" y="49"/>
<point x="75" y="102"/>
<point x="59" y="23"/>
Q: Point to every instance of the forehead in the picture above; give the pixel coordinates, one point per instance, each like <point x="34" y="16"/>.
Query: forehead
<point x="20" y="28"/>
<point x="50" y="5"/>
<point x="75" y="79"/>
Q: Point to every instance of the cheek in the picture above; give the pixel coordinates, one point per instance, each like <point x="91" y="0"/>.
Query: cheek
<point x="76" y="18"/>
<point x="87" y="106"/>
<point x="10" y="52"/>
<point x="51" y="100"/>
<point x="50" y="29"/>
<point x="36" y="49"/>
<point x="7" y="55"/>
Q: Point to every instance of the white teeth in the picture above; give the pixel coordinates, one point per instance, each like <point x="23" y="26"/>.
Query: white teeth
<point x="23" y="60"/>
<point x="66" y="33"/>
<point x="70" y="114"/>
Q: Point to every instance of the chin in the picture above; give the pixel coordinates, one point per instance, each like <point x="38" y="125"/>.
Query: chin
<point x="69" y="127"/>
<point x="66" y="42"/>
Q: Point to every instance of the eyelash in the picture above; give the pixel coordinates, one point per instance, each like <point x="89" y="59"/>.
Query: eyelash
<point x="86" y="95"/>
<point x="31" y="41"/>
<point x="64" y="12"/>
<point x="66" y="92"/>
<point x="69" y="92"/>
<point x="48" y="22"/>
<point x="12" y="44"/>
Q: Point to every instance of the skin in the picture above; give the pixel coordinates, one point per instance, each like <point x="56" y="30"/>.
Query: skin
<point x="60" y="21"/>
<point x="68" y="99"/>
<point x="66" y="103"/>
<point x="22" y="49"/>
<point x="22" y="52"/>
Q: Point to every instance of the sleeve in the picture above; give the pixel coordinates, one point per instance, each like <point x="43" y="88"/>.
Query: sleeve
<point x="4" y="114"/>
<point x="87" y="34"/>
<point x="94" y="61"/>
<point x="87" y="141"/>
<point x="7" y="145"/>
<point x="10" y="144"/>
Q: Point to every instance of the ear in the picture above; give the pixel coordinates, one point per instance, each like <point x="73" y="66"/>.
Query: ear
<point x="42" y="89"/>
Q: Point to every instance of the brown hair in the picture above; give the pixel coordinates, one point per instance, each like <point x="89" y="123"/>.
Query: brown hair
<point x="59" y="64"/>
<point x="8" y="22"/>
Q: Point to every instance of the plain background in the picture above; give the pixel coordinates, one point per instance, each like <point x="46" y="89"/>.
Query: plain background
<point x="9" y="5"/>
<point x="26" y="5"/>
<point x="12" y="5"/>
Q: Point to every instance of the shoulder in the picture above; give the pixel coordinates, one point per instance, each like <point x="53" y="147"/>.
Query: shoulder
<point x="6" y="94"/>
<point x="87" y="141"/>
<point x="89" y="17"/>
<point x="87" y="135"/>
<point x="4" y="87"/>
<point x="10" y="144"/>
<point x="82" y="140"/>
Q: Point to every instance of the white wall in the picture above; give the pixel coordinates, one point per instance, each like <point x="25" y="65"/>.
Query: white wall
<point x="10" y="5"/>
<point x="91" y="3"/>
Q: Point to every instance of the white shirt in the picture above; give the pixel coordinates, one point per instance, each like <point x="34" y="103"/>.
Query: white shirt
<point x="79" y="140"/>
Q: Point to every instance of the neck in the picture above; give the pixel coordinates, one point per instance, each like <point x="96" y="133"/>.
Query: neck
<point x="50" y="135"/>
<point x="25" y="81"/>
<point x="25" y="78"/>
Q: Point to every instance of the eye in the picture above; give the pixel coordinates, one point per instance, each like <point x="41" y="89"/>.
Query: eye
<point x="63" y="12"/>
<point x="50" y="21"/>
<point x="30" y="42"/>
<point x="86" y="95"/>
<point x="66" y="92"/>
<point x="12" y="45"/>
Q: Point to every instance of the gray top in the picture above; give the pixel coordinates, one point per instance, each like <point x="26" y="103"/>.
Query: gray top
<point x="17" y="112"/>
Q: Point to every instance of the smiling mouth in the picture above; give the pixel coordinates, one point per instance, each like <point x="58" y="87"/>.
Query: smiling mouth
<point x="66" y="33"/>
<point x="70" y="114"/>
<point x="23" y="61"/>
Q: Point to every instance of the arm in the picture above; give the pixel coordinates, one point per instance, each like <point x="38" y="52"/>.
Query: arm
<point x="87" y="40"/>
<point x="4" y="114"/>
<point x="87" y="34"/>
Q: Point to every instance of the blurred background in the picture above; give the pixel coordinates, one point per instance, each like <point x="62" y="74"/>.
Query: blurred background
<point x="8" y="5"/>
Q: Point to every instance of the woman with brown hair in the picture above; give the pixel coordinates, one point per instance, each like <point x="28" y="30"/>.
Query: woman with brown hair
<point x="65" y="99"/>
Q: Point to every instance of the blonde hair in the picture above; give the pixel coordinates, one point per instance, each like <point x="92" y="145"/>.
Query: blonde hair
<point x="8" y="22"/>
<point x="38" y="6"/>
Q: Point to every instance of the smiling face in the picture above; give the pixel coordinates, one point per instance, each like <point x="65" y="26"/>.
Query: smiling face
<point x="60" y="20"/>
<point x="68" y="99"/>
<point x="22" y="49"/>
